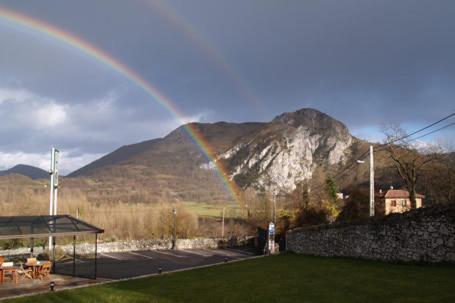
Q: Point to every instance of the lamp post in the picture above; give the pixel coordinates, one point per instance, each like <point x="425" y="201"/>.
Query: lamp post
<point x="174" y="231"/>
<point x="274" y="208"/>
<point x="222" y="224"/>
<point x="53" y="188"/>
<point x="371" y="180"/>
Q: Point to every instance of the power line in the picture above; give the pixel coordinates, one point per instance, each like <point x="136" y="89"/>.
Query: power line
<point x="432" y="132"/>
<point x="364" y="154"/>
<point x="384" y="146"/>
<point x="422" y="129"/>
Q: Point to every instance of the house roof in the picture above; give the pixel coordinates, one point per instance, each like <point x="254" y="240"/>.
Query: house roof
<point x="399" y="194"/>
<point x="23" y="227"/>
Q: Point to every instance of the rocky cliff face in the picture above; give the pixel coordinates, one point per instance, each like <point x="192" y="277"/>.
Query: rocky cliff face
<point x="287" y="150"/>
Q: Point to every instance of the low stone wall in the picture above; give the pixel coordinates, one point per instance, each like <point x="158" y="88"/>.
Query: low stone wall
<point x="422" y="235"/>
<point x="134" y="245"/>
<point x="88" y="248"/>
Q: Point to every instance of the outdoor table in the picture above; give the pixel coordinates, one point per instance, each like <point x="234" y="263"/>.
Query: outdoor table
<point x="36" y="267"/>
<point x="9" y="269"/>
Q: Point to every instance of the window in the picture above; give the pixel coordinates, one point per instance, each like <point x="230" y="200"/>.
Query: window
<point x="393" y="203"/>
<point x="403" y="203"/>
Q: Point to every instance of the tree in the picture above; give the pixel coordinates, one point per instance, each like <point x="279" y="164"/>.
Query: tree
<point x="439" y="179"/>
<point x="332" y="189"/>
<point x="356" y="206"/>
<point x="311" y="216"/>
<point x="258" y="207"/>
<point x="318" y="194"/>
<point x="448" y="162"/>
<point x="300" y="197"/>
<point x="407" y="160"/>
<point x="305" y="195"/>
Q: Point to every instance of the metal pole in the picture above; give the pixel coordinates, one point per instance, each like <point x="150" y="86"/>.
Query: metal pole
<point x="53" y="255"/>
<point x="274" y="209"/>
<point x="74" y="256"/>
<point x="55" y="175"/>
<point x="32" y="244"/>
<point x="96" y="253"/>
<point x="371" y="182"/>
<point x="222" y="225"/>
<point x="51" y="198"/>
<point x="55" y="199"/>
<point x="174" y="236"/>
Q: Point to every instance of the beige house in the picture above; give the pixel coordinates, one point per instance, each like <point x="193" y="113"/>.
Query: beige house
<point x="396" y="201"/>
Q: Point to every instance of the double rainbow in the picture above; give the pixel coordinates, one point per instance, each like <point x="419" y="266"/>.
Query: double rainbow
<point x="164" y="10"/>
<point x="18" y="19"/>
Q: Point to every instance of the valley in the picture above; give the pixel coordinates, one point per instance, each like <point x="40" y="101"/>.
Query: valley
<point x="132" y="191"/>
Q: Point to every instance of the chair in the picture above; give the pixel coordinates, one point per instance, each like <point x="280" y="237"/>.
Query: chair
<point x="45" y="270"/>
<point x="2" y="259"/>
<point x="9" y="269"/>
<point x="34" y="265"/>
<point x="25" y="272"/>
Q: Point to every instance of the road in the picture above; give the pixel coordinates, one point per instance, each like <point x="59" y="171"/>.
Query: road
<point x="136" y="263"/>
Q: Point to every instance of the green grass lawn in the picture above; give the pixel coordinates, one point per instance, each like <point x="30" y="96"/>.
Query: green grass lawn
<point x="284" y="278"/>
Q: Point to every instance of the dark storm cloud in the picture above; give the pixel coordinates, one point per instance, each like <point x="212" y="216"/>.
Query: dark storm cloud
<point x="364" y="62"/>
<point x="340" y="55"/>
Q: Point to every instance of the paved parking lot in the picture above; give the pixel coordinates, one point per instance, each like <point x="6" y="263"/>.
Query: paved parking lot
<point x="136" y="263"/>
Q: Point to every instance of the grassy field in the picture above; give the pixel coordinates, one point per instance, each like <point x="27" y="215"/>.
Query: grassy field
<point x="213" y="210"/>
<point x="285" y="278"/>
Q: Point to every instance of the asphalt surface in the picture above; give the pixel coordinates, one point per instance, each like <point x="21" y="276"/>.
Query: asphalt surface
<point x="137" y="263"/>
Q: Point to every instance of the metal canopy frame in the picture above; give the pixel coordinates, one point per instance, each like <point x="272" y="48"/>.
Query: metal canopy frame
<point x="31" y="227"/>
<point x="26" y="227"/>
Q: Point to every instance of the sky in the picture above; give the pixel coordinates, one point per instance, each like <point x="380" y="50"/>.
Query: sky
<point x="366" y="63"/>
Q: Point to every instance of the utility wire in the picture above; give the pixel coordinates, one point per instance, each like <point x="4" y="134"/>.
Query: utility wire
<point x="422" y="129"/>
<point x="384" y="146"/>
<point x="363" y="155"/>
<point x="432" y="132"/>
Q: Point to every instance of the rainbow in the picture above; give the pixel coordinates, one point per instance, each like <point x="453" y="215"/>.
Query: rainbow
<point x="182" y="25"/>
<point x="18" y="19"/>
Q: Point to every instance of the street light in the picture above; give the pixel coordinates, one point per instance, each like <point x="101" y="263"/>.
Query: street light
<point x="371" y="180"/>
<point x="174" y="232"/>
<point x="53" y="190"/>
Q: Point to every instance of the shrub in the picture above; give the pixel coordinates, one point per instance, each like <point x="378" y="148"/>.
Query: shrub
<point x="311" y="216"/>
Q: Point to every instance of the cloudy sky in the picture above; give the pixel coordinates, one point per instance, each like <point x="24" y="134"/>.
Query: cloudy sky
<point x="367" y="63"/>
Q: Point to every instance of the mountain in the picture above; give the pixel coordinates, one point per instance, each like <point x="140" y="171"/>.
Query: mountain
<point x="26" y="170"/>
<point x="292" y="151"/>
<point x="273" y="155"/>
<point x="177" y="146"/>
<point x="121" y="154"/>
<point x="164" y="169"/>
<point x="288" y="150"/>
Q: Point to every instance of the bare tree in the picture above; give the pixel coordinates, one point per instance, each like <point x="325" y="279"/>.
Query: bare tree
<point x="300" y="197"/>
<point x="449" y="172"/>
<point x="407" y="159"/>
<point x="440" y="177"/>
<point x="258" y="206"/>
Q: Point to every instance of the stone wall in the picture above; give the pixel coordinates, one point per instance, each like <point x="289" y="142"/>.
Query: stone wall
<point x="422" y="235"/>
<point x="134" y="245"/>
